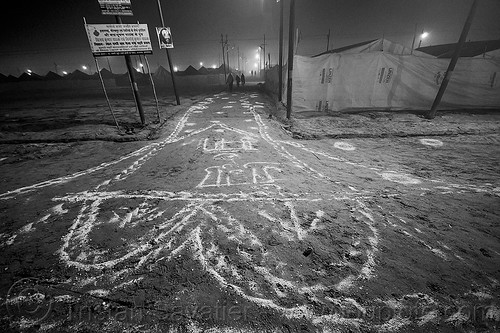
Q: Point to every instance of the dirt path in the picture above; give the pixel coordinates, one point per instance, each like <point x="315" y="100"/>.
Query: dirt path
<point x="228" y="224"/>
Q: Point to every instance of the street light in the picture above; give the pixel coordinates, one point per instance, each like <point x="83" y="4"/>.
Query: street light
<point x="423" y="36"/>
<point x="141" y="68"/>
<point x="201" y="64"/>
<point x="86" y="68"/>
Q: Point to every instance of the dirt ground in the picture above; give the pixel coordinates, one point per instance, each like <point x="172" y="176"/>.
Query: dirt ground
<point x="232" y="219"/>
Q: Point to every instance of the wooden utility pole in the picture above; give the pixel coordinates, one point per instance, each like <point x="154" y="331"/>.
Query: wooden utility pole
<point x="280" y="65"/>
<point x="328" y="41"/>
<point x="264" y="45"/>
<point x="223" y="56"/>
<point x="414" y="37"/>
<point x="239" y="58"/>
<point x="432" y="112"/>
<point x="227" y="56"/>
<point x="168" y="56"/>
<point x="133" y="82"/>
<point x="291" y="41"/>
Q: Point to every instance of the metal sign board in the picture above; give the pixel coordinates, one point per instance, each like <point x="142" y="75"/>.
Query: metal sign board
<point x="116" y="7"/>
<point x="119" y="39"/>
<point x="164" y="37"/>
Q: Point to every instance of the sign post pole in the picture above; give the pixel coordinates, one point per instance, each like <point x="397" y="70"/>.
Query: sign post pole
<point x="168" y="56"/>
<point x="120" y="39"/>
<point x="133" y="82"/>
<point x="106" y="94"/>
<point x="154" y="89"/>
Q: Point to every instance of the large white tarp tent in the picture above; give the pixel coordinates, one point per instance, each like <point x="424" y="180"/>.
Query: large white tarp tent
<point x="391" y="78"/>
<point x="375" y="45"/>
<point x="490" y="55"/>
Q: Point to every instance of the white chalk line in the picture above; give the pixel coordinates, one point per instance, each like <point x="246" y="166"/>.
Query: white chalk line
<point x="403" y="178"/>
<point x="154" y="147"/>
<point x="219" y="271"/>
<point x="201" y="203"/>
<point x="402" y="227"/>
<point x="65" y="179"/>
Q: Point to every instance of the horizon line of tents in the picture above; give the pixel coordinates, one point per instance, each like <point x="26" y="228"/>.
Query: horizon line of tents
<point x="107" y="74"/>
<point x="470" y="49"/>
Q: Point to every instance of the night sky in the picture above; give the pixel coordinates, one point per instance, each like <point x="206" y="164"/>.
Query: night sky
<point x="46" y="33"/>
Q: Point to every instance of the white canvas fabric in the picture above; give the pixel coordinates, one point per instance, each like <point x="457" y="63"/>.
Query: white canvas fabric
<point x="381" y="80"/>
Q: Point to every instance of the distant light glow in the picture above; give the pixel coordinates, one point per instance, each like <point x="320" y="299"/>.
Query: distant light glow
<point x="84" y="67"/>
<point x="176" y="69"/>
<point x="201" y="63"/>
<point x="425" y="34"/>
<point x="29" y="71"/>
<point x="255" y="65"/>
<point x="138" y="69"/>
<point x="141" y="65"/>
<point x="214" y="66"/>
<point x="65" y="73"/>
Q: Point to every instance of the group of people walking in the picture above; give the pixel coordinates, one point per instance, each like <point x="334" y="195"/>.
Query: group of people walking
<point x="239" y="79"/>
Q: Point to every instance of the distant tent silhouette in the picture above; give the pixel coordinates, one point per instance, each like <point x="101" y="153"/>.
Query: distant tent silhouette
<point x="106" y="74"/>
<point x="30" y="77"/>
<point x="203" y="70"/>
<point x="219" y="70"/>
<point x="12" y="78"/>
<point x="161" y="72"/>
<point x="162" y="76"/>
<point x="52" y="76"/>
<point x="123" y="80"/>
<point x="78" y="75"/>
<point x="189" y="71"/>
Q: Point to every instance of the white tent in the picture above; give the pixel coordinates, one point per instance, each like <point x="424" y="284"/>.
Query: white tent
<point x="490" y="55"/>
<point x="382" y="45"/>
<point x="391" y="79"/>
